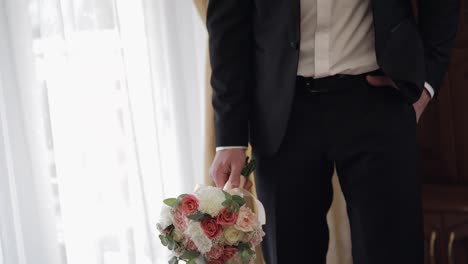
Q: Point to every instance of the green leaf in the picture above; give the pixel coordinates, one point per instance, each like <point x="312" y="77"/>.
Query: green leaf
<point x="235" y="207"/>
<point x="171" y="245"/>
<point x="192" y="261"/>
<point x="198" y="216"/>
<point x="169" y="238"/>
<point x="172" y="202"/>
<point x="246" y="255"/>
<point x="227" y="195"/>
<point x="243" y="246"/>
<point x="174" y="260"/>
<point x="227" y="203"/>
<point x="189" y="255"/>
<point x="181" y="197"/>
<point x="248" y="168"/>
<point x="238" y="199"/>
<point x="164" y="240"/>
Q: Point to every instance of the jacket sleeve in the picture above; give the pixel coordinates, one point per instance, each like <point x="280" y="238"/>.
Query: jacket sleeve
<point x="438" y="24"/>
<point x="230" y="30"/>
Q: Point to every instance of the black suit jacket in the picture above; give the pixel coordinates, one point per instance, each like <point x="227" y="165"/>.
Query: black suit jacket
<point x="254" y="53"/>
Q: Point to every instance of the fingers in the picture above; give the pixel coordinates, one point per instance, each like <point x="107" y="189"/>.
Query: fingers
<point x="220" y="181"/>
<point x="235" y="177"/>
<point x="227" y="166"/>
<point x="421" y="104"/>
<point x="248" y="185"/>
<point x="244" y="184"/>
<point x="219" y="175"/>
<point x="380" y="81"/>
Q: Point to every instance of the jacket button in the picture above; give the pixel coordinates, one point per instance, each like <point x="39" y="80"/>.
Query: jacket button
<point x="294" y="45"/>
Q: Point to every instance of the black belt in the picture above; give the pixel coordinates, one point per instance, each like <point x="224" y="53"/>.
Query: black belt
<point x="330" y="83"/>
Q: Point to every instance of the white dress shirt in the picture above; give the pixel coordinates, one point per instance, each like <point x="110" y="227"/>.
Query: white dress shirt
<point x="337" y="37"/>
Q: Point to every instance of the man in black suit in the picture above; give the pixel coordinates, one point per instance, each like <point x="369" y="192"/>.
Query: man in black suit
<point x="318" y="84"/>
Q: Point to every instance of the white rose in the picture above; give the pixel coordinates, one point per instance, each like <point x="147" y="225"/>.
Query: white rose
<point x="196" y="234"/>
<point x="210" y="200"/>
<point x="165" y="218"/>
<point x="232" y="235"/>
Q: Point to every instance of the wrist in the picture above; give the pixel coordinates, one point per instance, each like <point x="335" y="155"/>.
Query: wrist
<point x="426" y="95"/>
<point x="221" y="148"/>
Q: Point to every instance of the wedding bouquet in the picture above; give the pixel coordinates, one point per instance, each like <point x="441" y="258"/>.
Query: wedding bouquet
<point x="212" y="225"/>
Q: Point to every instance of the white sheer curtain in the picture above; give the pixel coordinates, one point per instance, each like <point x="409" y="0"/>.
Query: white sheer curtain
<point x="101" y="116"/>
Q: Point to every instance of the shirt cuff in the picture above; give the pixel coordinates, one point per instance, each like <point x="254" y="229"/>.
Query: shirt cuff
<point x="429" y="89"/>
<point x="230" y="147"/>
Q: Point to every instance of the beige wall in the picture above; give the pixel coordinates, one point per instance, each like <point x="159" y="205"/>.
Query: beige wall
<point x="339" y="250"/>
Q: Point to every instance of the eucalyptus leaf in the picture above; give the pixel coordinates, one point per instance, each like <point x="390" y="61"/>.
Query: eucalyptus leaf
<point x="246" y="255"/>
<point x="248" y="168"/>
<point x="198" y="216"/>
<point x="227" y="195"/>
<point x="174" y="260"/>
<point x="170" y="238"/>
<point x="243" y="246"/>
<point x="238" y="199"/>
<point x="172" y="202"/>
<point x="181" y="197"/>
<point x="164" y="240"/>
<point x="188" y="254"/>
<point x="234" y="207"/>
<point x="245" y="168"/>
<point x="171" y="245"/>
<point x="244" y="171"/>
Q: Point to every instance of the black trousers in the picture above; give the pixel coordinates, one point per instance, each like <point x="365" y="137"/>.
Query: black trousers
<point x="369" y="134"/>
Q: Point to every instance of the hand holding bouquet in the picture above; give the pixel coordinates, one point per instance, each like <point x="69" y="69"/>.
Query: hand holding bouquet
<point x="212" y="225"/>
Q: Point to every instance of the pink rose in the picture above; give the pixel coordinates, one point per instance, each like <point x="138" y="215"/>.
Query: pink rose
<point x="210" y="227"/>
<point x="180" y="220"/>
<point x="215" y="253"/>
<point x="229" y="252"/>
<point x="246" y="221"/>
<point x="189" y="204"/>
<point x="227" y="218"/>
